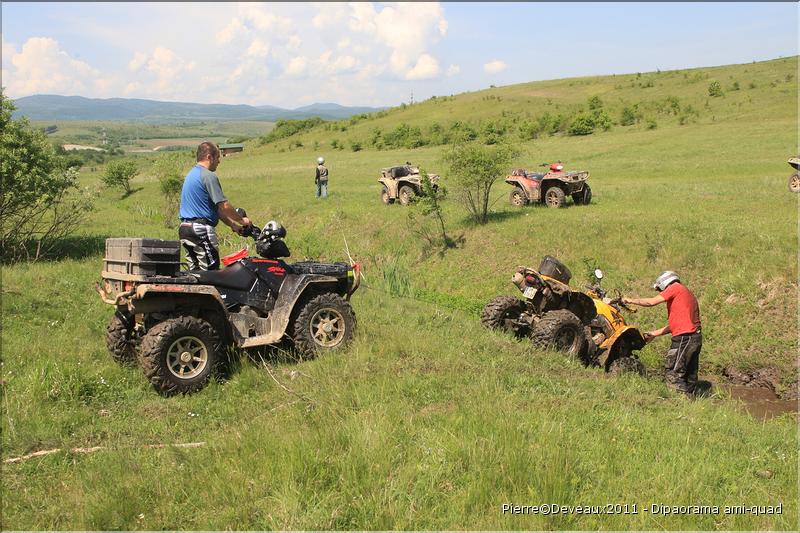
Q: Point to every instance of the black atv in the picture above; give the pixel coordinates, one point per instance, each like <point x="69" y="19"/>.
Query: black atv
<point x="179" y="324"/>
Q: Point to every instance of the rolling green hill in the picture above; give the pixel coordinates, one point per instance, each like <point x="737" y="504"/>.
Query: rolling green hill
<point x="429" y="421"/>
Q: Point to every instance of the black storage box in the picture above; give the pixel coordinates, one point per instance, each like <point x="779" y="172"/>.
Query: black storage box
<point x="553" y="268"/>
<point x="142" y="257"/>
<point x="327" y="269"/>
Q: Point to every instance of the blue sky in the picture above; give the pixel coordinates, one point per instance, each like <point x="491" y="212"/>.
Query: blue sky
<point x="376" y="54"/>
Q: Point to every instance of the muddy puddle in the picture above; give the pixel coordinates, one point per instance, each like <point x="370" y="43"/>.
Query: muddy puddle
<point x="761" y="403"/>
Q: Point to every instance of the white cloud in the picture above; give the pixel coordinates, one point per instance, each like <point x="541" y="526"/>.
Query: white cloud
<point x="297" y="66"/>
<point x="344" y="64"/>
<point x="452" y="70"/>
<point x="493" y="67"/>
<point x="41" y="66"/>
<point x="233" y="29"/>
<point x="294" y="42"/>
<point x="344" y="43"/>
<point x="258" y="48"/>
<point x="138" y="61"/>
<point x="426" y="68"/>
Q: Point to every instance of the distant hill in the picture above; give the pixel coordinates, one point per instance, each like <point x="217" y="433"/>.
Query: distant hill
<point x="56" y="107"/>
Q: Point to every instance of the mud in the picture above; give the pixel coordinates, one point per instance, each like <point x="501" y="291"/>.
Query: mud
<point x="760" y="402"/>
<point x="764" y="378"/>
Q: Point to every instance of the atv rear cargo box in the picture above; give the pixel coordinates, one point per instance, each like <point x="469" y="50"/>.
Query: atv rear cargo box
<point x="553" y="268"/>
<point x="142" y="257"/>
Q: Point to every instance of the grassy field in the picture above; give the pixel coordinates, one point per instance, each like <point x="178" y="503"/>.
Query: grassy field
<point x="131" y="135"/>
<point x="429" y="421"/>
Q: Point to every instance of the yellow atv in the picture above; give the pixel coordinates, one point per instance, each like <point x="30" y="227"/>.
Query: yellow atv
<point x="611" y="342"/>
<point x="586" y="325"/>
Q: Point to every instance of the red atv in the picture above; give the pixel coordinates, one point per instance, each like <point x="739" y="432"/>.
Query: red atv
<point x="551" y="188"/>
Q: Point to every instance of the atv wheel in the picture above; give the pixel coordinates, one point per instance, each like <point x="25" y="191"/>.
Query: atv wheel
<point x="794" y="182"/>
<point x="517" y="197"/>
<point x="500" y="310"/>
<point x="385" y="198"/>
<point x="625" y="365"/>
<point x="120" y="340"/>
<point x="554" y="197"/>
<point x="561" y="331"/>
<point x="325" y="322"/>
<point x="407" y="195"/>
<point x="583" y="197"/>
<point x="179" y="355"/>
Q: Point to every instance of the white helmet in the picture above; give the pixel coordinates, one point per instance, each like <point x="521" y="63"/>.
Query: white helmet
<point x="320" y="160"/>
<point x="664" y="279"/>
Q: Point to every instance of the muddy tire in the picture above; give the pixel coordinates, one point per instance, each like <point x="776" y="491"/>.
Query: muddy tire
<point x="179" y="355"/>
<point x="120" y="340"/>
<point x="326" y="322"/>
<point x="626" y="365"/>
<point x="794" y="182"/>
<point x="584" y="197"/>
<point x="385" y="198"/>
<point x="517" y="197"/>
<point x="561" y="331"/>
<point x="554" y="197"/>
<point x="406" y="194"/>
<point x="500" y="309"/>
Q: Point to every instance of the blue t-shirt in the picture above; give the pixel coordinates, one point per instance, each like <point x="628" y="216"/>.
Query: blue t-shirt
<point x="200" y="195"/>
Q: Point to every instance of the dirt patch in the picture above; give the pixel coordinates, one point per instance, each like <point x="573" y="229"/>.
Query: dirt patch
<point x="760" y="402"/>
<point x="765" y="378"/>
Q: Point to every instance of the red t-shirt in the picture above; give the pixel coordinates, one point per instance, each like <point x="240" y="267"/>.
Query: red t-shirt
<point x="683" y="313"/>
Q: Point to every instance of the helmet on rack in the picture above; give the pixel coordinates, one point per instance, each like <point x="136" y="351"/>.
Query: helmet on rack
<point x="664" y="279"/>
<point x="320" y="160"/>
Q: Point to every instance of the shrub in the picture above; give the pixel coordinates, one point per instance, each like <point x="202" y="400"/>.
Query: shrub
<point x="119" y="174"/>
<point x="714" y="89"/>
<point x="474" y="168"/>
<point x="735" y="86"/>
<point x="355" y="146"/>
<point x="169" y="170"/>
<point x="287" y="128"/>
<point x="628" y="117"/>
<point x="651" y="124"/>
<point x="595" y="103"/>
<point x="582" y="124"/>
<point x="39" y="206"/>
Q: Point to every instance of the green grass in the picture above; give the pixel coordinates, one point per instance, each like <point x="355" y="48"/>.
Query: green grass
<point x="428" y="421"/>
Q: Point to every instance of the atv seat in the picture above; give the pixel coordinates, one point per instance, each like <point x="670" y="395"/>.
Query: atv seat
<point x="236" y="276"/>
<point x="534" y="175"/>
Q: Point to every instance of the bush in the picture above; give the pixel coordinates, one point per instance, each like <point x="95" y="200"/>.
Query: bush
<point x="119" y="174"/>
<point x="595" y="103"/>
<point x="39" y="204"/>
<point x="582" y="124"/>
<point x="628" y="117"/>
<point x="287" y="128"/>
<point x="651" y="124"/>
<point x="714" y="89"/>
<point x="474" y="168"/>
<point x="355" y="146"/>
<point x="169" y="170"/>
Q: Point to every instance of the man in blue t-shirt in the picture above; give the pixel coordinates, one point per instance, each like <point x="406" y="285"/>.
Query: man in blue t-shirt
<point x="203" y="205"/>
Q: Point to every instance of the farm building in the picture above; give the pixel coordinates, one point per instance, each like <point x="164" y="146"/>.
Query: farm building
<point x="228" y="149"/>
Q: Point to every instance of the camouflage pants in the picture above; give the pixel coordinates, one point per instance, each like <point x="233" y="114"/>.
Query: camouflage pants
<point x="683" y="361"/>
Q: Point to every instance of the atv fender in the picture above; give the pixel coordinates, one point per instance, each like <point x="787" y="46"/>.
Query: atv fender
<point x="150" y="298"/>
<point x="291" y="291"/>
<point x="582" y="306"/>
<point x="629" y="334"/>
<point x="391" y="186"/>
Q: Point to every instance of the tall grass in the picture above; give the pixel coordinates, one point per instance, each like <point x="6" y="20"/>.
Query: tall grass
<point x="428" y="421"/>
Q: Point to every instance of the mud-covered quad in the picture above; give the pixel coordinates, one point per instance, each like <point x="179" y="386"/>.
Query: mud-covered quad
<point x="551" y="188"/>
<point x="178" y="325"/>
<point x="794" y="179"/>
<point x="403" y="183"/>
<point x="588" y="326"/>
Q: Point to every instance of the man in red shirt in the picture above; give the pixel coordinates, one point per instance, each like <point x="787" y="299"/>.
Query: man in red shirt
<point x="683" y="322"/>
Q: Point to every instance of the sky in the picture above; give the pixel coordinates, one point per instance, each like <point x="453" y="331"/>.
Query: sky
<point x="361" y="53"/>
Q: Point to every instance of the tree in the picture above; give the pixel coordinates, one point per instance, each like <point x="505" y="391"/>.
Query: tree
<point x="474" y="168"/>
<point x="40" y="203"/>
<point x="169" y="170"/>
<point x="583" y="124"/>
<point x="119" y="174"/>
<point x="714" y="88"/>
<point x="628" y="117"/>
<point x="429" y="205"/>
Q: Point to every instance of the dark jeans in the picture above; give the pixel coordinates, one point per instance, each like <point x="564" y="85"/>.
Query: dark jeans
<point x="322" y="189"/>
<point x="683" y="362"/>
<point x="201" y="245"/>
